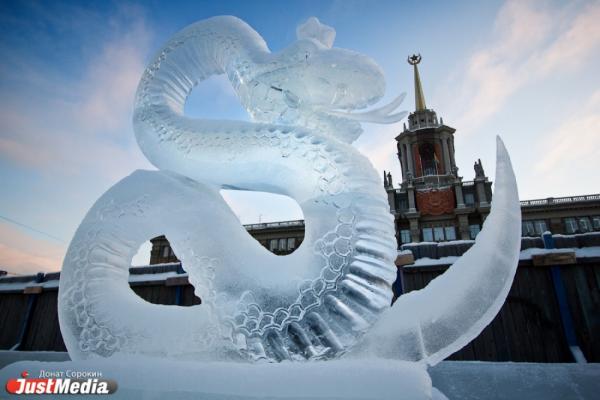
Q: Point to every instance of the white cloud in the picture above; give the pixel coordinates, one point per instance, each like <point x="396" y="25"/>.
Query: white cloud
<point x="576" y="43"/>
<point x="570" y="153"/>
<point x="85" y="128"/>
<point x="531" y="41"/>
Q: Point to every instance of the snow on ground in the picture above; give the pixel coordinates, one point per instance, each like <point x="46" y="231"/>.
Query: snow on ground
<point x="150" y="378"/>
<point x="458" y="380"/>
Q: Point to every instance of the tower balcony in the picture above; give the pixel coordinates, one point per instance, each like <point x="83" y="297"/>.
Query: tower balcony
<point x="423" y="119"/>
<point x="431" y="181"/>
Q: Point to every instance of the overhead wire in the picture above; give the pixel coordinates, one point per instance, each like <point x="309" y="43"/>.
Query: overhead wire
<point x="12" y="221"/>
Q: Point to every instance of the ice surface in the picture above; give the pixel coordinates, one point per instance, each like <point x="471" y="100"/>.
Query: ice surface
<point x="469" y="380"/>
<point x="432" y="323"/>
<point x="312" y="304"/>
<point x="144" y="378"/>
<point x="474" y="380"/>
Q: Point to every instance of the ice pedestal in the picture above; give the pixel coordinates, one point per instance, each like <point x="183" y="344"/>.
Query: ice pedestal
<point x="147" y="378"/>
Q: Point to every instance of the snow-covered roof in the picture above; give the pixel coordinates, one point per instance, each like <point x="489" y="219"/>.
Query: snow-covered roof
<point x="428" y="254"/>
<point x="146" y="273"/>
<point x="525" y="255"/>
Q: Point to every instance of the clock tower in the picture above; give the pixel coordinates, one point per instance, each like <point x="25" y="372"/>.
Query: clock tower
<point x="429" y="204"/>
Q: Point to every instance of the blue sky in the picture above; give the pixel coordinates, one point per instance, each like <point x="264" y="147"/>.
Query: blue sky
<point x="526" y="70"/>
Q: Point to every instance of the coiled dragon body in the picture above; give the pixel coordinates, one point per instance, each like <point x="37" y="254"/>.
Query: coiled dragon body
<point x="313" y="304"/>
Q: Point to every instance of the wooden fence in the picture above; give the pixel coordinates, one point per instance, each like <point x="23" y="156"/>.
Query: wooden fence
<point x="530" y="327"/>
<point x="29" y="317"/>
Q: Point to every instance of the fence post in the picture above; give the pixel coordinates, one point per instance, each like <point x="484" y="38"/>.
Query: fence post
<point x="563" y="305"/>
<point x="39" y="278"/>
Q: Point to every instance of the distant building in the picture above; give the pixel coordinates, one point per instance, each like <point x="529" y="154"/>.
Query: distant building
<point x="280" y="238"/>
<point x="433" y="203"/>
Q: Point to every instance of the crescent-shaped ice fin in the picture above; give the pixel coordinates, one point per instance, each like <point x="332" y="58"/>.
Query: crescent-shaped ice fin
<point x="430" y="324"/>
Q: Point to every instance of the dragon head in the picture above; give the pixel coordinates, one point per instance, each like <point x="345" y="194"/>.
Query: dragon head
<point x="316" y="85"/>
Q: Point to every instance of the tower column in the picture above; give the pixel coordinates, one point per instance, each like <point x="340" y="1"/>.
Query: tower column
<point x="409" y="160"/>
<point x="480" y="185"/>
<point x="415" y="232"/>
<point x="392" y="200"/>
<point x="411" y="200"/>
<point x="402" y="159"/>
<point x="446" y="151"/>
<point x="451" y="150"/>
<point x="460" y="202"/>
<point x="463" y="227"/>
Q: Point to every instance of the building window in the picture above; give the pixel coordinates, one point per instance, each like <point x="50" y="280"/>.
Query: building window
<point x="282" y="244"/>
<point x="402" y="204"/>
<point x="540" y="227"/>
<point x="427" y="235"/>
<point x="405" y="236"/>
<point x="596" y="223"/>
<point x="571" y="225"/>
<point x="527" y="228"/>
<point x="450" y="233"/>
<point x="474" y="230"/>
<point x="469" y="199"/>
<point x="584" y="224"/>
<point x="435" y="234"/>
<point x="581" y="224"/>
<point x="165" y="251"/>
<point x="291" y="243"/>
<point x="273" y="244"/>
<point x="534" y="228"/>
<point x="438" y="234"/>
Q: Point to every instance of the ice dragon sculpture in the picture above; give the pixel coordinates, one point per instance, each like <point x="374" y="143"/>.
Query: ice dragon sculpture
<point x="315" y="303"/>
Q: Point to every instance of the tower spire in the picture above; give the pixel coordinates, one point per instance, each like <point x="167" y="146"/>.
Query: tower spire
<point x="419" y="97"/>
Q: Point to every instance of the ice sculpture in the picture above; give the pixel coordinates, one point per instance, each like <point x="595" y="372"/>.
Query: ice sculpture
<point x="316" y="303"/>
